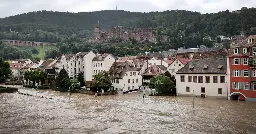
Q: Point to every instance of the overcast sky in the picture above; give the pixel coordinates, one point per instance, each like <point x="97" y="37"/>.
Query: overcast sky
<point x="13" y="7"/>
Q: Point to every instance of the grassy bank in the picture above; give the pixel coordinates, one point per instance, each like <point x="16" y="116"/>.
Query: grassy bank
<point x="41" y="50"/>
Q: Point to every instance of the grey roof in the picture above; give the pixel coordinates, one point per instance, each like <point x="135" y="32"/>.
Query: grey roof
<point x="100" y="57"/>
<point x="205" y="66"/>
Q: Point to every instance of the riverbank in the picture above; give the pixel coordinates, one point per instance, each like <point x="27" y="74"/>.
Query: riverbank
<point x="8" y="89"/>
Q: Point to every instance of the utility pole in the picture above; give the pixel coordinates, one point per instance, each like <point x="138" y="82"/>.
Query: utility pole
<point x="193" y="100"/>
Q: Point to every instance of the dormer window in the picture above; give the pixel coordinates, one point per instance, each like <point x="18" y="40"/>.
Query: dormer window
<point x="205" y="66"/>
<point x="235" y="50"/>
<point x="191" y="67"/>
<point x="250" y="40"/>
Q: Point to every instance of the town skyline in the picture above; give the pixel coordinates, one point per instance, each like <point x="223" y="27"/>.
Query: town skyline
<point x="202" y="6"/>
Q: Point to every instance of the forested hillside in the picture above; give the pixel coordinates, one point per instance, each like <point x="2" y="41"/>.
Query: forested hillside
<point x="70" y="30"/>
<point x="52" y="26"/>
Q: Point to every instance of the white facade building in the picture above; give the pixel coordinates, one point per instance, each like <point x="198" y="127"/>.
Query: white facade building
<point x="176" y="65"/>
<point x="102" y="62"/>
<point x="204" y="77"/>
<point x="125" y="76"/>
<point x="155" y="61"/>
<point x="67" y="62"/>
<point x="88" y="66"/>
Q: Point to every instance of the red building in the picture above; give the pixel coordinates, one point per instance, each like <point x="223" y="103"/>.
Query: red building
<point x="242" y="69"/>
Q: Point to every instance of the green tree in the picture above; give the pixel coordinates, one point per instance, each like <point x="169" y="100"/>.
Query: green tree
<point x="34" y="51"/>
<point x="172" y="78"/>
<point x="162" y="84"/>
<point x="42" y="77"/>
<point x="5" y="71"/>
<point x="62" y="81"/>
<point x="80" y="78"/>
<point x="101" y="81"/>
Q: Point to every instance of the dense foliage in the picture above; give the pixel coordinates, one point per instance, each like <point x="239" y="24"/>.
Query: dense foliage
<point x="101" y="81"/>
<point x="51" y="26"/>
<point x="80" y="79"/>
<point x="35" y="76"/>
<point x="62" y="81"/>
<point x="162" y="84"/>
<point x="10" y="52"/>
<point x="71" y="30"/>
<point x="5" y="71"/>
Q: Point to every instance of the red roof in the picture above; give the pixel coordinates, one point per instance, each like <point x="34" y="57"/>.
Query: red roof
<point x="15" y="65"/>
<point x="170" y="61"/>
<point x="184" y="61"/>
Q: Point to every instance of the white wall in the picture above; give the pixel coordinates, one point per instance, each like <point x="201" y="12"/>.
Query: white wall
<point x="88" y="66"/>
<point x="211" y="89"/>
<point x="175" y="67"/>
<point x="100" y="66"/>
<point x="15" y="72"/>
<point x="123" y="83"/>
<point x="157" y="62"/>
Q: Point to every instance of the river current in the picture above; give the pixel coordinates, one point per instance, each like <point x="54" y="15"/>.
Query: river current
<point x="79" y="113"/>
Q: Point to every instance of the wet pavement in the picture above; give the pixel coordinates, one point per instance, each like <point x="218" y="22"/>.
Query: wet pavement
<point x="128" y="113"/>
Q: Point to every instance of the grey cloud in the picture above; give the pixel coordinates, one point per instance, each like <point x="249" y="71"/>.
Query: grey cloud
<point x="13" y="7"/>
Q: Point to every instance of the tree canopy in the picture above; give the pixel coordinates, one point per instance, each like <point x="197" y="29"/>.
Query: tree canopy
<point x="62" y="81"/>
<point x="5" y="71"/>
<point x="162" y="84"/>
<point x="101" y="81"/>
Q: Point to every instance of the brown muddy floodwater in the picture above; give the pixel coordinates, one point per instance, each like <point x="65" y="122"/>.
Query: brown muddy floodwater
<point x="122" y="114"/>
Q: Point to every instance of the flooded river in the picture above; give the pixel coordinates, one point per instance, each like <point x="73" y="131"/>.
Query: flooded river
<point x="81" y="113"/>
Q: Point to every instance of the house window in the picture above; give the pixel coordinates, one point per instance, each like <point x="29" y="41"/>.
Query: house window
<point x="137" y="81"/>
<point x="235" y="50"/>
<point x="101" y="64"/>
<point x="254" y="62"/>
<point x="254" y="50"/>
<point x="236" y="61"/>
<point x="130" y="73"/>
<point x="246" y="86"/>
<point x="96" y="64"/>
<point x="207" y="79"/>
<point x="245" y="50"/>
<point x="254" y="86"/>
<point x="128" y="80"/>
<point x="235" y="85"/>
<point x="222" y="79"/>
<point x="202" y="89"/>
<point x="128" y="88"/>
<point x="132" y="80"/>
<point x="245" y="73"/>
<point x="245" y="61"/>
<point x="179" y="64"/>
<point x="215" y="79"/>
<point x="189" y="78"/>
<point x="200" y="79"/>
<point x="134" y="73"/>
<point x="195" y="79"/>
<point x="182" y="78"/>
<point x="219" y="90"/>
<point x="254" y="73"/>
<point x="117" y="80"/>
<point x="236" y="73"/>
<point x="187" y="89"/>
<point x="79" y="62"/>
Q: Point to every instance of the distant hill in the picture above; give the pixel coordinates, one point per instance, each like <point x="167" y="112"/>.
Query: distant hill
<point x="179" y="25"/>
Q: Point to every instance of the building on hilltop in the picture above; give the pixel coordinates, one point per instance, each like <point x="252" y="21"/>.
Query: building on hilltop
<point x="118" y="34"/>
<point x="242" y="69"/>
<point x="203" y="77"/>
